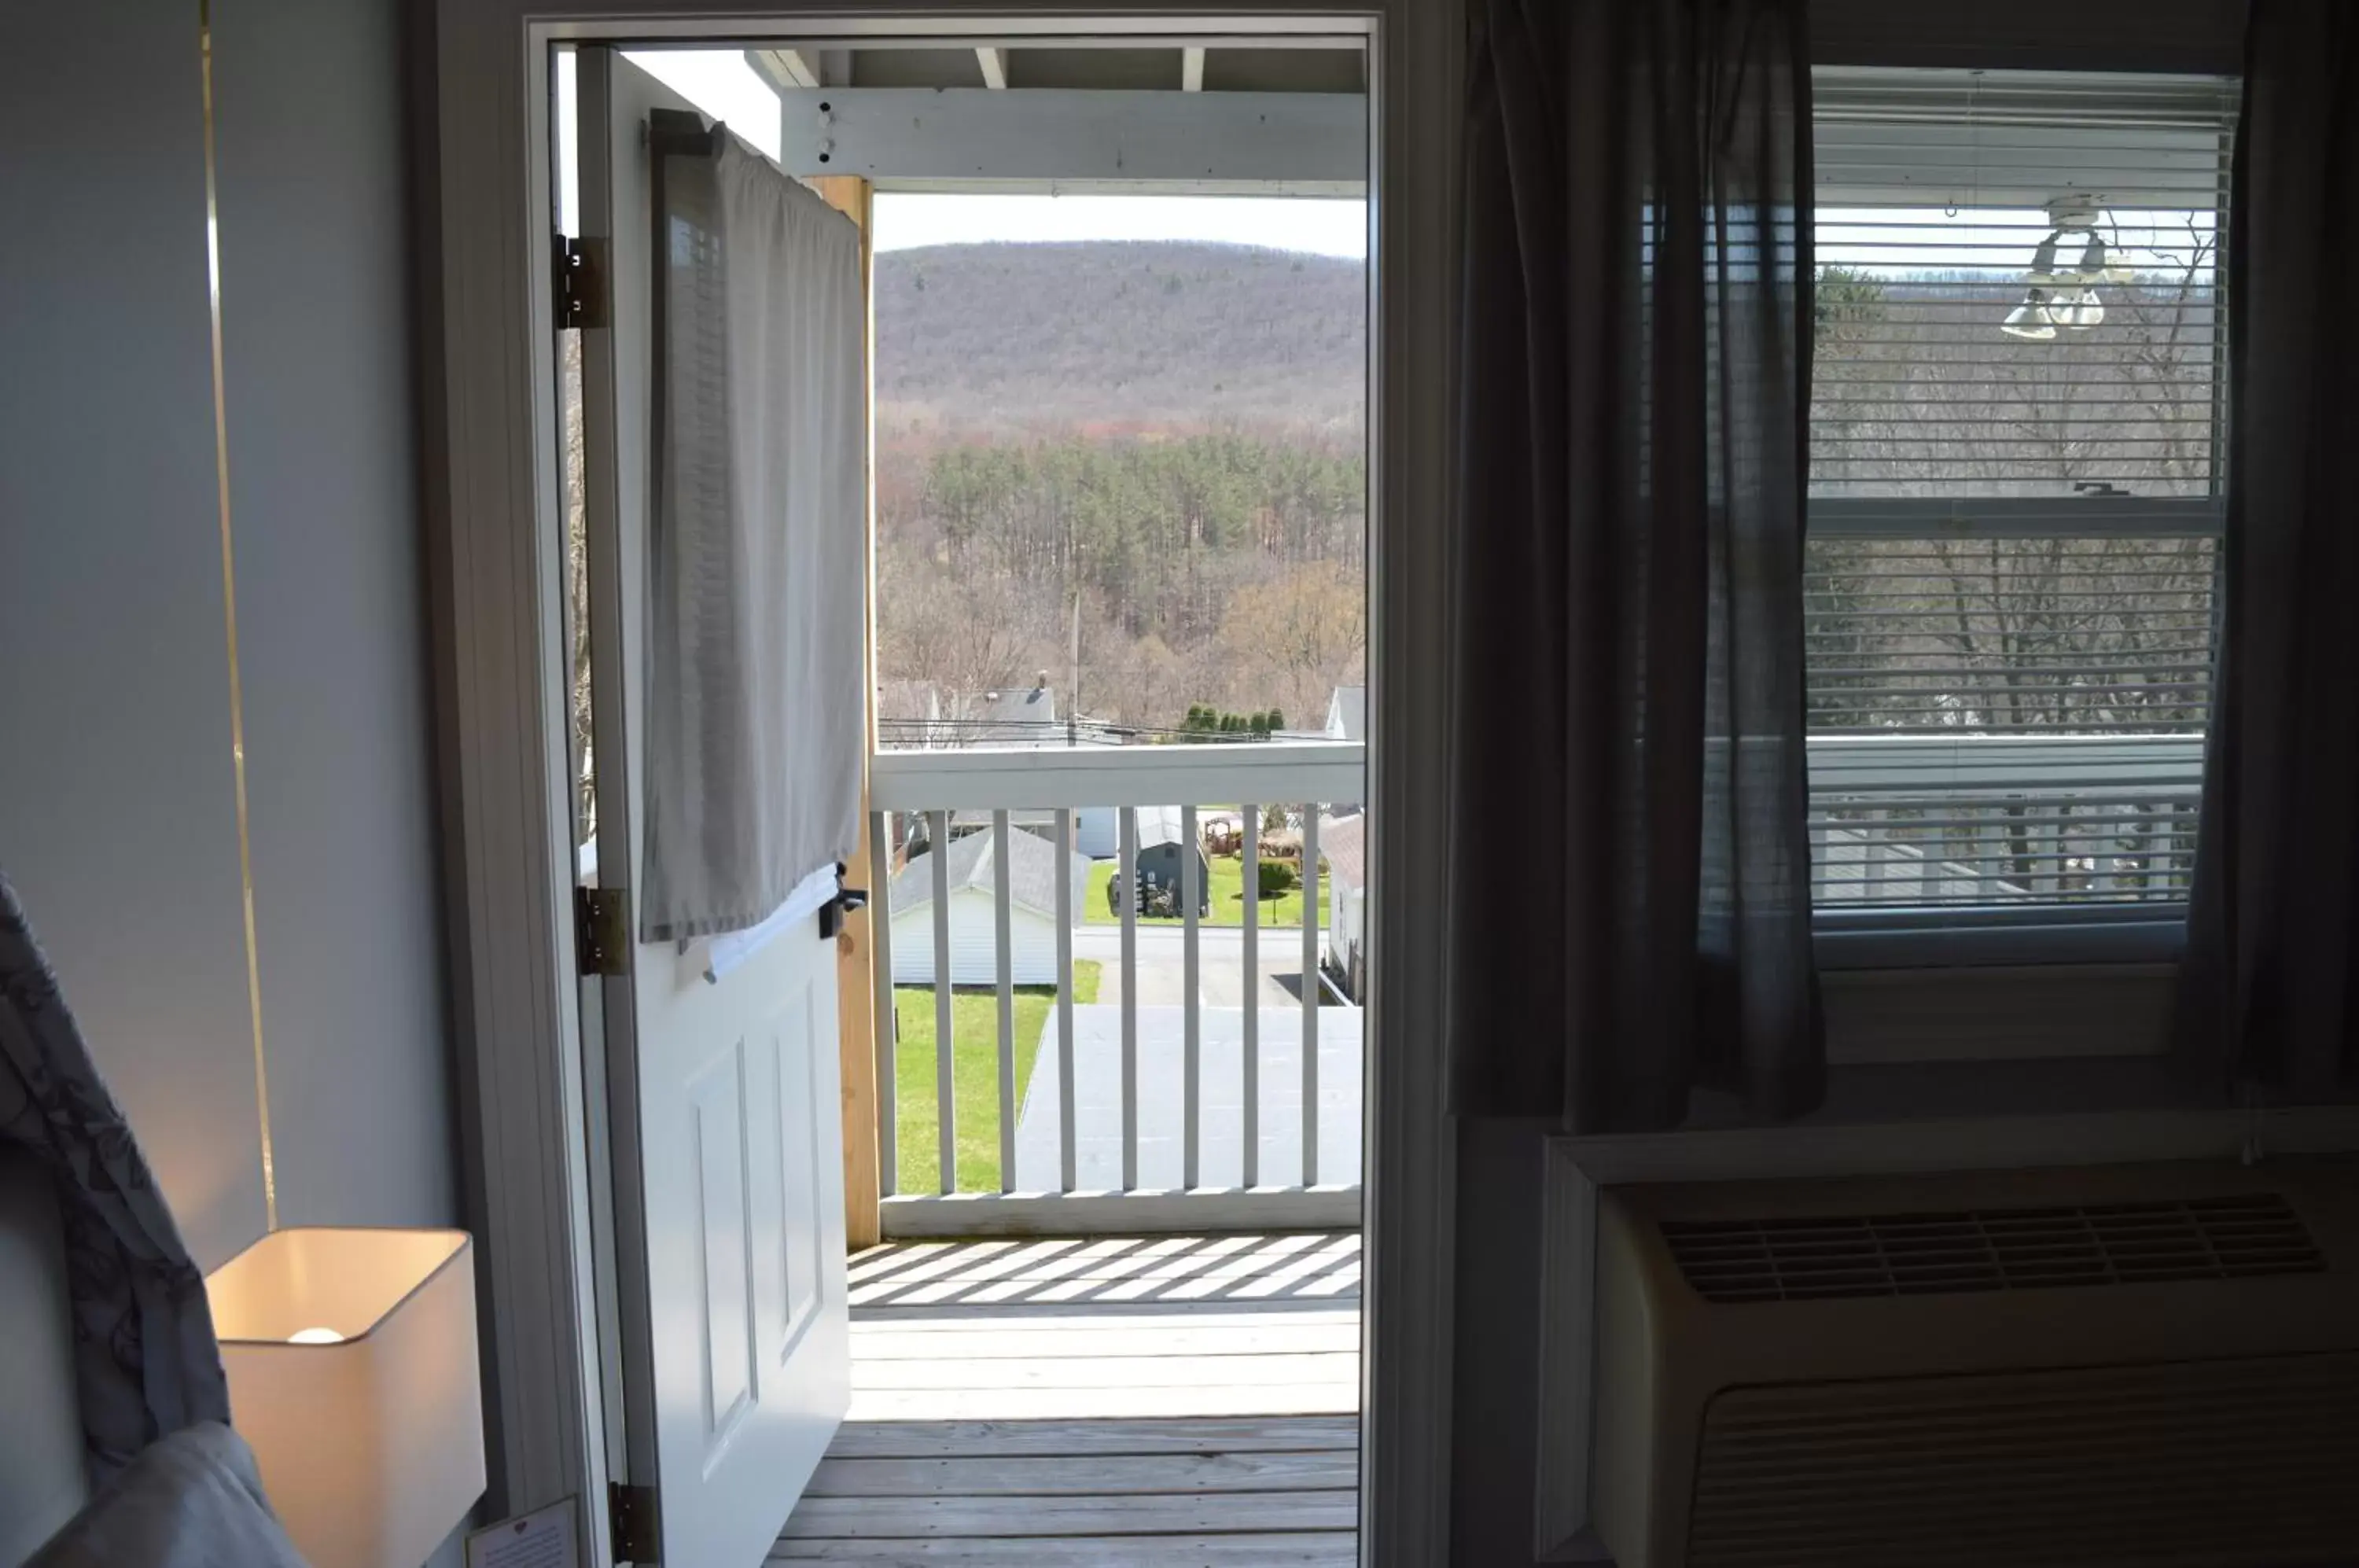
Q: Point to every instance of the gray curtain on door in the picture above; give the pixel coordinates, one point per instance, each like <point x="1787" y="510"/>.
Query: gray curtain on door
<point x="1627" y="841"/>
<point x="756" y="668"/>
<point x="2273" y="938"/>
<point x="146" y="1363"/>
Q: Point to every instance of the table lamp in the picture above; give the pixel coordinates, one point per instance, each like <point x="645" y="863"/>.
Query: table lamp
<point x="351" y="1356"/>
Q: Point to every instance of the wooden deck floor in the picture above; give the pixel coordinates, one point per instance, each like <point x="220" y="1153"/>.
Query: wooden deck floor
<point x="1159" y="1402"/>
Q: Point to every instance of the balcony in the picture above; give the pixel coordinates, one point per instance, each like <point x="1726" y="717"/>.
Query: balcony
<point x="1188" y="1057"/>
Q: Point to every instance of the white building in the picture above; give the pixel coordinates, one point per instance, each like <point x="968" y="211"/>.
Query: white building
<point x="1343" y="847"/>
<point x="1347" y="713"/>
<point x="1097" y="829"/>
<point x="973" y="867"/>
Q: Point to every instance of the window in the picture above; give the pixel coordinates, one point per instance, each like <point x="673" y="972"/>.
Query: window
<point x="2015" y="468"/>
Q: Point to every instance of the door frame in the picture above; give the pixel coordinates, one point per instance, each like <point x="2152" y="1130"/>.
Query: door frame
<point x="492" y="503"/>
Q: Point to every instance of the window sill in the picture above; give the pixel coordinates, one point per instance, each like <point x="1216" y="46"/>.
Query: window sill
<point x="1981" y="938"/>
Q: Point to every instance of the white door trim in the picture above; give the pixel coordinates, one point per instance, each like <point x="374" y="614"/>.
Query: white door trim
<point x="492" y="530"/>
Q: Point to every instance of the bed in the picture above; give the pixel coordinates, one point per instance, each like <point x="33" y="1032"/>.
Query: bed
<point x="40" y="1441"/>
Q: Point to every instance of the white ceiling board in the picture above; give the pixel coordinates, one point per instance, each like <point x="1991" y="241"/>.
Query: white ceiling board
<point x="914" y="138"/>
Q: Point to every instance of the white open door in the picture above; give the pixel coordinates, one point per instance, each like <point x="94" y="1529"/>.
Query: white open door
<point x="727" y="1158"/>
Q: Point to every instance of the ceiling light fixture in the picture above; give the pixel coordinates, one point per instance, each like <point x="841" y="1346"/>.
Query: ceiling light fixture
<point x="2064" y="297"/>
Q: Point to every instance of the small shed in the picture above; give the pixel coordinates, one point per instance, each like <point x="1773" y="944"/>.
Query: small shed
<point x="974" y="868"/>
<point x="1158" y="880"/>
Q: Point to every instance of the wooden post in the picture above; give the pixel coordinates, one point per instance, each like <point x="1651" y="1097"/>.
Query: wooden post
<point x="855" y="985"/>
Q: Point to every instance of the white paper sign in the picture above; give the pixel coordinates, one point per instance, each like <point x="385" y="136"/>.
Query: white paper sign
<point x="543" y="1538"/>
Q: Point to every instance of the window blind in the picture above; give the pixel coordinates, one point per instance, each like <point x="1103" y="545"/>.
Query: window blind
<point x="2015" y="448"/>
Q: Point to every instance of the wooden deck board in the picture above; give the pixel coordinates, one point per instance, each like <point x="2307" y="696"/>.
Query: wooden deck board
<point x="1158" y="1402"/>
<point x="1152" y="1513"/>
<point x="987" y="1438"/>
<point x="1088" y="1474"/>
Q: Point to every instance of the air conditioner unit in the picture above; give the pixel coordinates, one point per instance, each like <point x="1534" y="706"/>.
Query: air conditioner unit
<point x="2155" y="1365"/>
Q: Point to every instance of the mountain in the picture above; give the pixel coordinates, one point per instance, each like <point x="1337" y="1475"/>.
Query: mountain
<point x="1115" y="337"/>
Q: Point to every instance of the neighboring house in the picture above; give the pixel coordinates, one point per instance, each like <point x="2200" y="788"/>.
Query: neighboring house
<point x="1343" y="846"/>
<point x="1347" y="713"/>
<point x="973" y="876"/>
<point x="1039" y="822"/>
<point x="1097" y="830"/>
<point x="918" y="713"/>
<point x="1021" y="716"/>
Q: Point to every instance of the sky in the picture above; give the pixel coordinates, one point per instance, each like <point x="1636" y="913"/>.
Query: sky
<point x="1321" y="225"/>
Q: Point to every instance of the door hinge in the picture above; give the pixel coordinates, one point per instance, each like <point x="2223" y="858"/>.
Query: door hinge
<point x="577" y="284"/>
<point x="602" y="930"/>
<point x="633" y="1520"/>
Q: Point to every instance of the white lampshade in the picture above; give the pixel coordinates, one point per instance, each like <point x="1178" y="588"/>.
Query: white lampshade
<point x="352" y="1374"/>
<point x="2030" y="320"/>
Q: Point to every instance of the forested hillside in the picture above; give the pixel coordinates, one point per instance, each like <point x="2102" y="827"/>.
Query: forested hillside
<point x="1159" y="445"/>
<point x="1109" y="337"/>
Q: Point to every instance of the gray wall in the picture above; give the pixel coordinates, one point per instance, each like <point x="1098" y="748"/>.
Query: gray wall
<point x="117" y="811"/>
<point x="117" y="819"/>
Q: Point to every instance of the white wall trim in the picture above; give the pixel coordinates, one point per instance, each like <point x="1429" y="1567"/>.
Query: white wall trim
<point x="492" y="522"/>
<point x="493" y="533"/>
<point x="1410" y="1290"/>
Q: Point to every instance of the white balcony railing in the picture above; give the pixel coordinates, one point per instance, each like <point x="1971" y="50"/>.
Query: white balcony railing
<point x="1993" y="821"/>
<point x="1154" y="1106"/>
<point x="1120" y="1062"/>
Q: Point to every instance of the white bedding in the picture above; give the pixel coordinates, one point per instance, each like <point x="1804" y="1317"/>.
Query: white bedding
<point x="193" y="1500"/>
<point x="41" y="1438"/>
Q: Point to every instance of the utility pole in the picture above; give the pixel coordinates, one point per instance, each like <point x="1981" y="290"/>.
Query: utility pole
<point x="1073" y="690"/>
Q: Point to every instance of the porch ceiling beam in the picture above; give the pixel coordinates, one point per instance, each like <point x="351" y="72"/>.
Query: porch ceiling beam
<point x="786" y="69"/>
<point x="994" y="68"/>
<point x="1191" y="71"/>
<point x="954" y="137"/>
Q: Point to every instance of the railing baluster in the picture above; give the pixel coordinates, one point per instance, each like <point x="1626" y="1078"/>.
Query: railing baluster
<point x="1252" y="824"/>
<point x="886" y="1026"/>
<point x="1004" y="944"/>
<point x="1310" y="995"/>
<point x="2047" y="850"/>
<point x="1065" y="1159"/>
<point x="1126" y="896"/>
<point x="1191" y="1024"/>
<point x="938" y="837"/>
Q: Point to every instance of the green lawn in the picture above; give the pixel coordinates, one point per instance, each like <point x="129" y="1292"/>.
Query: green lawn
<point x="975" y="1075"/>
<point x="1228" y="908"/>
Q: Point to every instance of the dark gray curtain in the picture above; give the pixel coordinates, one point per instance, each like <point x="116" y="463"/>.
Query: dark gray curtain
<point x="1628" y="850"/>
<point x="146" y="1363"/>
<point x="2266" y="994"/>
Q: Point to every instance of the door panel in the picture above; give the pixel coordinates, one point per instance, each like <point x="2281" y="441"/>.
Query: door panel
<point x="728" y="1161"/>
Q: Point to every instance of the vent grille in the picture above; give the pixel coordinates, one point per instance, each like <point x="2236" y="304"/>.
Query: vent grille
<point x="1824" y="1257"/>
<point x="2177" y="1465"/>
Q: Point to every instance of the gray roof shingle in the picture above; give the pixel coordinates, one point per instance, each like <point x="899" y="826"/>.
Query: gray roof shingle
<point x="1032" y="873"/>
